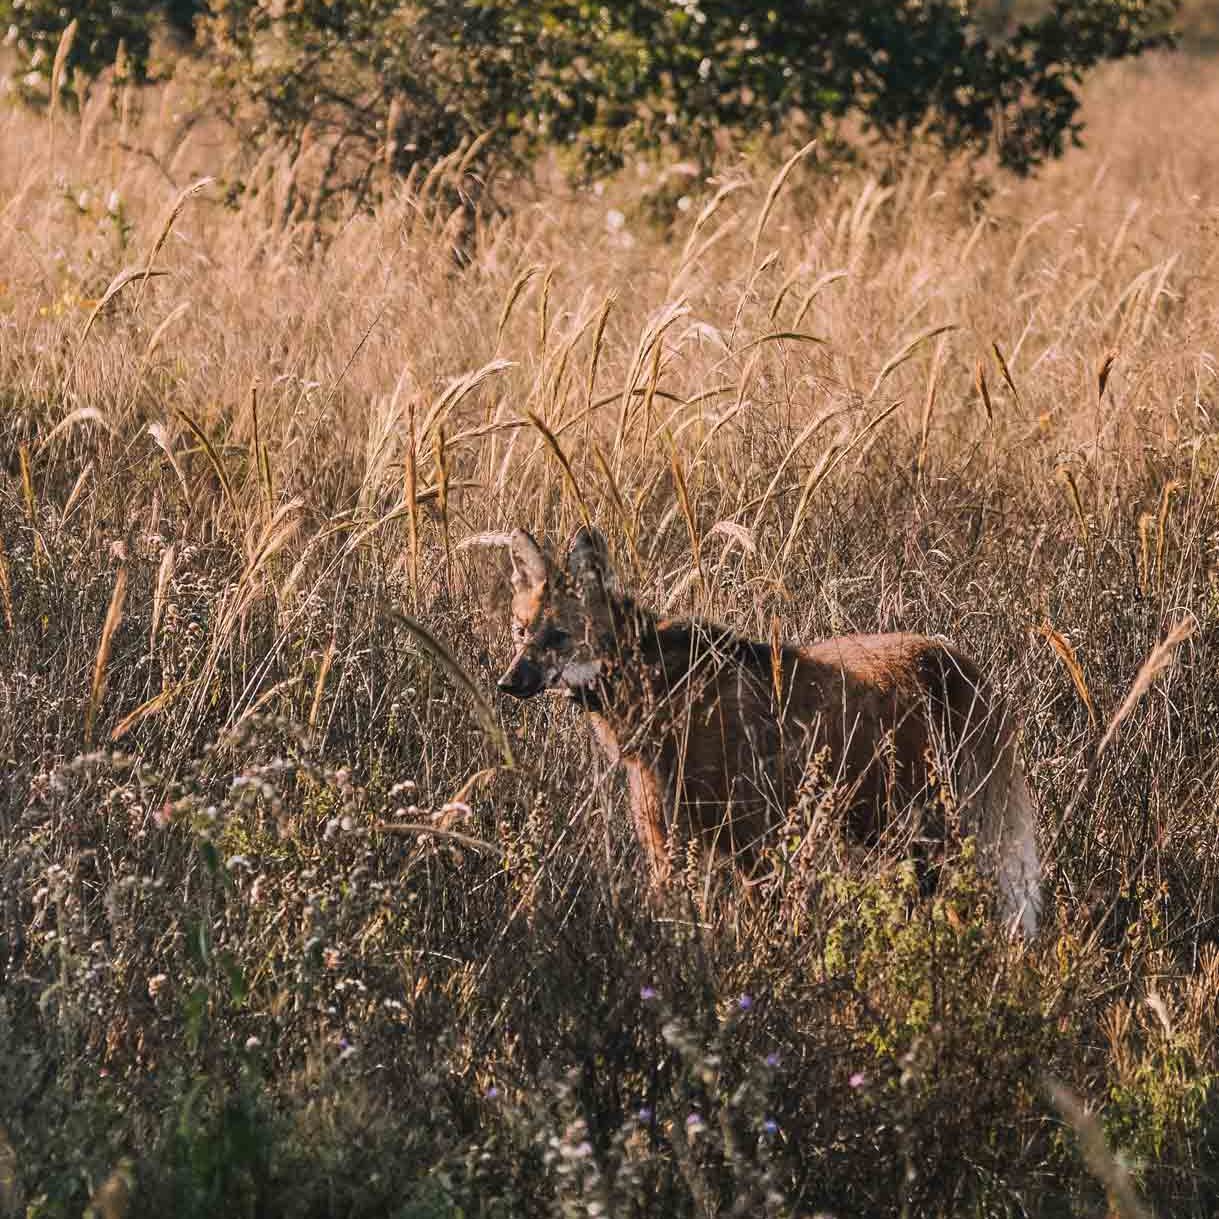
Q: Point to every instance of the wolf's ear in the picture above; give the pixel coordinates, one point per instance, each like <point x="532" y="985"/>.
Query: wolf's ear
<point x="530" y="567"/>
<point x="588" y="565"/>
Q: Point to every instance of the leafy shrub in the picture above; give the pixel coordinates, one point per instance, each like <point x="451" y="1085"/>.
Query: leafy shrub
<point x="101" y="26"/>
<point x="375" y="81"/>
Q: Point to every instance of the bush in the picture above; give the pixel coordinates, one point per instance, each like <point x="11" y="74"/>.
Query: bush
<point x="376" y="81"/>
<point x="101" y="27"/>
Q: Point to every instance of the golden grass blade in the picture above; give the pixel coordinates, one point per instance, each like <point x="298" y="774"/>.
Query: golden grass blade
<point x="1170" y="489"/>
<point x="201" y="436"/>
<point x="649" y="398"/>
<point x="544" y="312"/>
<point x="1145" y="522"/>
<point x="722" y="422"/>
<point x="772" y="194"/>
<point x="275" y="536"/>
<point x="1066" y="653"/>
<point x="784" y="288"/>
<point x="159" y="333"/>
<point x="1102" y="1163"/>
<point x="262" y="462"/>
<point x="769" y="261"/>
<point x="83" y="414"/>
<point x="156" y="704"/>
<point x="557" y="396"/>
<point x="595" y="355"/>
<point x="460" y="388"/>
<point x="440" y="456"/>
<point x="780" y="336"/>
<point x="815" y="477"/>
<point x="735" y="532"/>
<point x="1161" y="658"/>
<point x="908" y="349"/>
<point x="620" y="508"/>
<point x="27" y="484"/>
<point x="411" y="498"/>
<point x="265" y="697"/>
<point x="652" y="334"/>
<point x="127" y="276"/>
<point x="678" y="590"/>
<point x="74" y="494"/>
<point x="776" y="660"/>
<point x="62" y="51"/>
<point x="161" y="436"/>
<point x="237" y="601"/>
<point x="114" y="616"/>
<point x="1067" y="475"/>
<point x="1007" y="373"/>
<point x="468" y="157"/>
<point x="452" y="666"/>
<point x="709" y="210"/>
<point x="809" y="430"/>
<point x="436" y="831"/>
<point x="830" y="277"/>
<point x="553" y="445"/>
<point x="1104" y="371"/>
<point x="519" y="284"/>
<point x="677" y="283"/>
<point x="165" y="575"/>
<point x="184" y="197"/>
<point x="6" y="588"/>
<point x="319" y="686"/>
<point x="264" y="470"/>
<point x="983" y="390"/>
<point x="1025" y="238"/>
<point x="436" y="174"/>
<point x="495" y="538"/>
<point x="929" y="399"/>
<point x="823" y="470"/>
<point x="687" y="509"/>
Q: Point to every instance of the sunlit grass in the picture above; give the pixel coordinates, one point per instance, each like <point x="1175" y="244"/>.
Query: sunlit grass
<point x="236" y="454"/>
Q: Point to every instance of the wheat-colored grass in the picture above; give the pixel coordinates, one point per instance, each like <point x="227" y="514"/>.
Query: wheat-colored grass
<point x="814" y="398"/>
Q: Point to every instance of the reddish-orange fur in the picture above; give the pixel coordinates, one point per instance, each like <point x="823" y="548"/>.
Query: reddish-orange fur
<point x="716" y="747"/>
<point x="718" y="733"/>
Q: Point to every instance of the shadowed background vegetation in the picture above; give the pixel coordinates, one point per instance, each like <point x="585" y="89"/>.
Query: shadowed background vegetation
<point x="293" y="923"/>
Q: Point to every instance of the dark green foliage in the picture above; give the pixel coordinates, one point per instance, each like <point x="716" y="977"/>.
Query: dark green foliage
<point x="378" y="81"/>
<point x="101" y="26"/>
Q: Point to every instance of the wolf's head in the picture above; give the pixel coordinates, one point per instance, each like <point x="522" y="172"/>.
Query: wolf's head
<point x="562" y="618"/>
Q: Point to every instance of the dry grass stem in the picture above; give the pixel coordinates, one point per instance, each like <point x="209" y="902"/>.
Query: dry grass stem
<point x="114" y="616"/>
<point x="1160" y="659"/>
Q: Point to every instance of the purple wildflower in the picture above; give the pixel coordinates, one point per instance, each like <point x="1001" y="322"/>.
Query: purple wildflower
<point x="647" y="993"/>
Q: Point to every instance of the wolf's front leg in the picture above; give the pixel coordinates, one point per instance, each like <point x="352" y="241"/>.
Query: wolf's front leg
<point x="648" y="813"/>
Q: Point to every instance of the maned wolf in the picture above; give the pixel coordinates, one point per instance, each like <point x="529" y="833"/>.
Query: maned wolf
<point x="717" y="732"/>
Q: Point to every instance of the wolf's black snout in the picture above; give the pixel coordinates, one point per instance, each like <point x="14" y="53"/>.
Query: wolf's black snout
<point x="522" y="680"/>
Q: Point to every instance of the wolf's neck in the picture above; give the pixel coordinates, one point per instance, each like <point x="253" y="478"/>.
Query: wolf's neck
<point x="656" y="674"/>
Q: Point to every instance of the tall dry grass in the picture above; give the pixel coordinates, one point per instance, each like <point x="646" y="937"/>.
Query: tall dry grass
<point x="829" y="399"/>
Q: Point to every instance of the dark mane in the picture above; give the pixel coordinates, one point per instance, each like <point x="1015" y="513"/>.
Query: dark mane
<point x="696" y="637"/>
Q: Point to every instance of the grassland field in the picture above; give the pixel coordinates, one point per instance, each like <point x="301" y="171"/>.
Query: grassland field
<point x="896" y="395"/>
